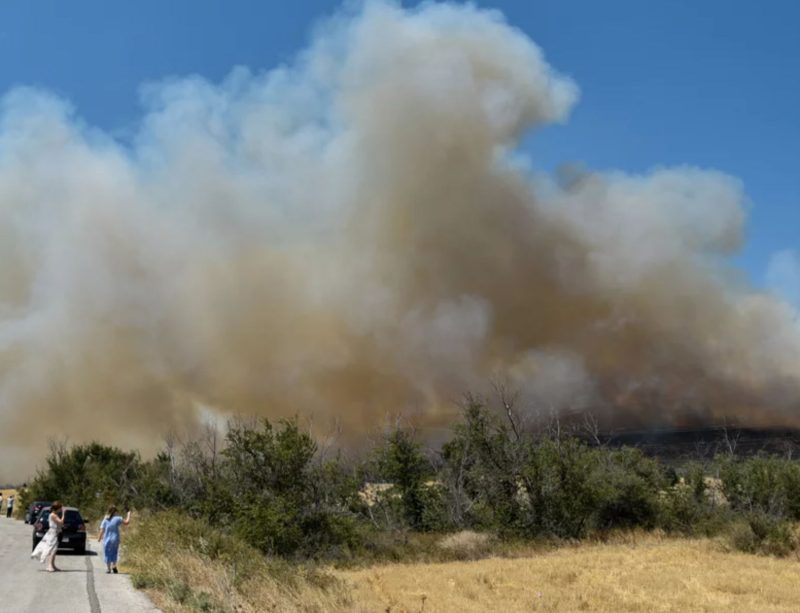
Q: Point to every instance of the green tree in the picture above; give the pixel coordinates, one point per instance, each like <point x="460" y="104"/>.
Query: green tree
<point x="282" y="500"/>
<point x="88" y="476"/>
<point x="401" y="462"/>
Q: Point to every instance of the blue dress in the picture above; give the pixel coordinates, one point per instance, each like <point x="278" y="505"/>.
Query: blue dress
<point x="110" y="529"/>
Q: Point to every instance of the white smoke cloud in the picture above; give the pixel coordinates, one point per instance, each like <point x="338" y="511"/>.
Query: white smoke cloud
<point x="783" y="275"/>
<point x="354" y="234"/>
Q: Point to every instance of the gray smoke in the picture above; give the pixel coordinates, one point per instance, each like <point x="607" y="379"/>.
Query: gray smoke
<point x="356" y="234"/>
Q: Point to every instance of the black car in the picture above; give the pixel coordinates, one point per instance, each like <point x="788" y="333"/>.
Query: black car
<point x="34" y="509"/>
<point x="73" y="534"/>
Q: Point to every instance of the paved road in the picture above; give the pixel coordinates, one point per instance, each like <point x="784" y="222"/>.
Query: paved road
<point x="82" y="587"/>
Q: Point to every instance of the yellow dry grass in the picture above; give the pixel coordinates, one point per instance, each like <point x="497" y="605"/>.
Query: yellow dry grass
<point x="638" y="574"/>
<point x="185" y="565"/>
<point x="258" y="594"/>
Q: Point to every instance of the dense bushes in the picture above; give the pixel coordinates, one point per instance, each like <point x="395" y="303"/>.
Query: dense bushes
<point x="278" y="498"/>
<point x="413" y="498"/>
<point x="529" y="484"/>
<point x="264" y="483"/>
<point x="268" y="485"/>
<point x="690" y="506"/>
<point x="766" y="485"/>
<point x="88" y="476"/>
<point x="764" y="494"/>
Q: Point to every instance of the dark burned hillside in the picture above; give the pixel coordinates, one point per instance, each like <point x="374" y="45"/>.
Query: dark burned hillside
<point x="702" y="443"/>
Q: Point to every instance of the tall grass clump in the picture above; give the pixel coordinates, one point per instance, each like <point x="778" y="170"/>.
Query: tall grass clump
<point x="185" y="564"/>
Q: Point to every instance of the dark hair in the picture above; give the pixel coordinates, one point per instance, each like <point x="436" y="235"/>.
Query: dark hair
<point x="55" y="506"/>
<point x="112" y="510"/>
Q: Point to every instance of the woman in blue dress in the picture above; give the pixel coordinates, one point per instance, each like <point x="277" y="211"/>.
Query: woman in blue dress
<point x="109" y="534"/>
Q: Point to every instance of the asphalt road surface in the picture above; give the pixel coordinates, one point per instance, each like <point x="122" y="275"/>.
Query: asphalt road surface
<point x="82" y="587"/>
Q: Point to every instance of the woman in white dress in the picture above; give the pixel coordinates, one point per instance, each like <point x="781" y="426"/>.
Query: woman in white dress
<point x="47" y="548"/>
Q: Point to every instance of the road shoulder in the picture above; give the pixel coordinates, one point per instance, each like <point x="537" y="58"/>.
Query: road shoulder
<point x="115" y="593"/>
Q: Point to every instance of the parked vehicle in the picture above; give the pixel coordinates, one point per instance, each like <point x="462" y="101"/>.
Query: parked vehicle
<point x="34" y="509"/>
<point x="73" y="534"/>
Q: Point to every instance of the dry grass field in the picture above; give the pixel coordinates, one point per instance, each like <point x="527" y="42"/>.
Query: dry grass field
<point x="186" y="567"/>
<point x="635" y="574"/>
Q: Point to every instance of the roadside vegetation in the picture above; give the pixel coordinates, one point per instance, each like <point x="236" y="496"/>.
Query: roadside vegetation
<point x="245" y="521"/>
<point x="184" y="563"/>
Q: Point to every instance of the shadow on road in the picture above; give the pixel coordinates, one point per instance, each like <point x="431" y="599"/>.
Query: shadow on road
<point x="72" y="553"/>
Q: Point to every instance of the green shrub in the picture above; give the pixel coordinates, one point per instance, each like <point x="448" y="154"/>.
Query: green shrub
<point x="519" y="484"/>
<point x="89" y="476"/>
<point x="768" y="485"/>
<point x="741" y="537"/>
<point x="415" y="499"/>
<point x="688" y="506"/>
<point x="758" y="532"/>
<point x="628" y="489"/>
<point x="282" y="502"/>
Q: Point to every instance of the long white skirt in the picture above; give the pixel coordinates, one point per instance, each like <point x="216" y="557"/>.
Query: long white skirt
<point x="46" y="547"/>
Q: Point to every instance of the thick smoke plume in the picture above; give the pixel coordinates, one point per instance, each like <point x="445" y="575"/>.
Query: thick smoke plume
<point x="356" y="234"/>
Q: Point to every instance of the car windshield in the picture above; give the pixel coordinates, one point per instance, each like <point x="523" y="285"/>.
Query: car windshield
<point x="72" y="516"/>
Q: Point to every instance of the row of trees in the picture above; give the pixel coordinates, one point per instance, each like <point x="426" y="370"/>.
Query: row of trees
<point x="269" y="484"/>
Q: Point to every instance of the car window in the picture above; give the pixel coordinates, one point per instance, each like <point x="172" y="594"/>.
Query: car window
<point x="73" y="517"/>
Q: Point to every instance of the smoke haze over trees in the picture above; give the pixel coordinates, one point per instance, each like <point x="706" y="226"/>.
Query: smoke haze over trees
<point x="354" y="234"/>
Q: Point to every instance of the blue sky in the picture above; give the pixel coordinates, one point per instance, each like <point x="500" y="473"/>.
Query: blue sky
<point x="713" y="84"/>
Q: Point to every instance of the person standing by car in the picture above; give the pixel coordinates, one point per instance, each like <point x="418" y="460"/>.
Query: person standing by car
<point x="10" y="508"/>
<point x="47" y="548"/>
<point x="109" y="534"/>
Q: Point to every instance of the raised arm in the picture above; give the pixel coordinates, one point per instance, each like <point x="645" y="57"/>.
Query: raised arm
<point x="127" y="519"/>
<point x="58" y="520"/>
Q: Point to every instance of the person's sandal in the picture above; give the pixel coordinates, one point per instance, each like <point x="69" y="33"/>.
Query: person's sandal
<point x="114" y="570"/>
